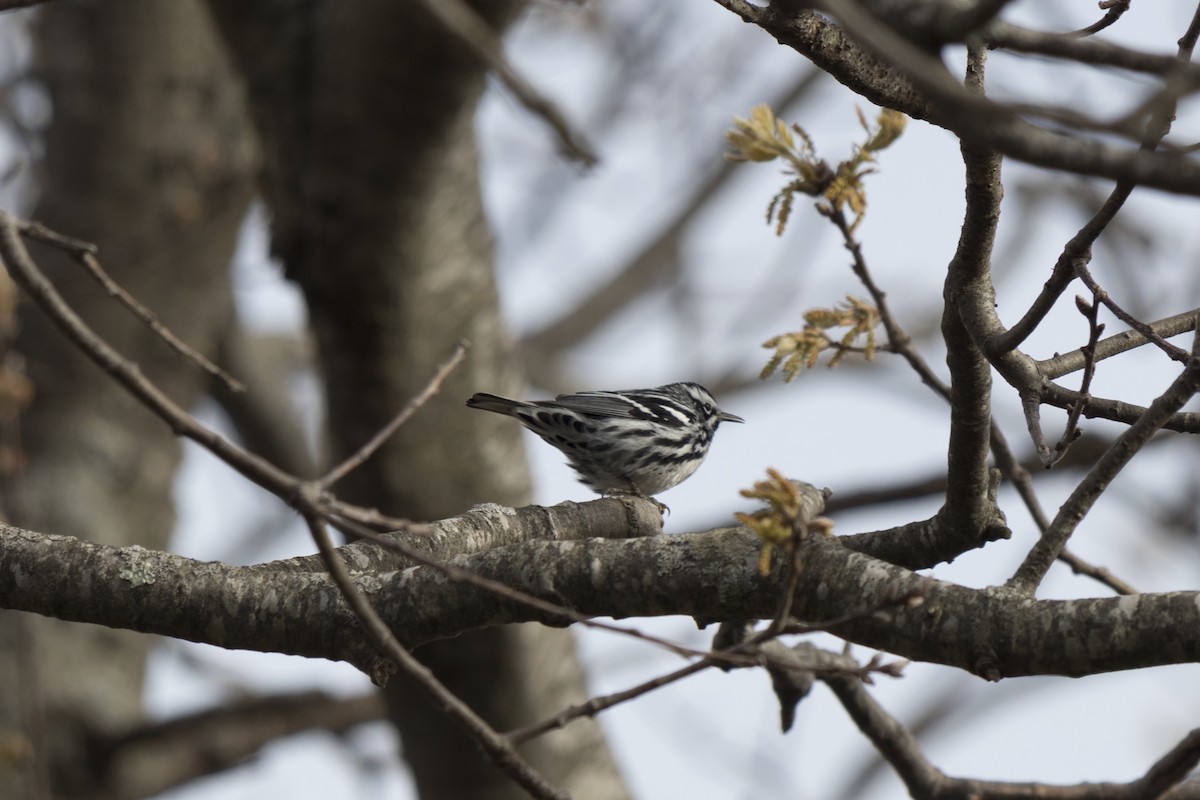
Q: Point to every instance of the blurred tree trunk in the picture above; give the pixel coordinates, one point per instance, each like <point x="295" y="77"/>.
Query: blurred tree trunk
<point x="366" y="112"/>
<point x="149" y="156"/>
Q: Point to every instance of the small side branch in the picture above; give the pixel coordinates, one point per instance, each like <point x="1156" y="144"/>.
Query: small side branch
<point x="1148" y="332"/>
<point x="461" y="21"/>
<point x="1066" y="363"/>
<point x="1091" y="312"/>
<point x="377" y="441"/>
<point x="29" y="277"/>
<point x="735" y="645"/>
<point x="1051" y="544"/>
<point x="926" y="782"/>
<point x="85" y="254"/>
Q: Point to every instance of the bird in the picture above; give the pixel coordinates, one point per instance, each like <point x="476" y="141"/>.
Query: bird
<point x="635" y="441"/>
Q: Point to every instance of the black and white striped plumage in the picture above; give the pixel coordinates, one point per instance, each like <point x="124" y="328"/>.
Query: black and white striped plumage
<point x="641" y="441"/>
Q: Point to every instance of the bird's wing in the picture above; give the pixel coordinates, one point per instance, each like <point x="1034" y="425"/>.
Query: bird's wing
<point x="644" y="404"/>
<point x="600" y="404"/>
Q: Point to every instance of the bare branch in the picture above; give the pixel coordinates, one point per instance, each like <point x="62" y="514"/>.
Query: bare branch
<point x="1116" y="8"/>
<point x="1065" y="364"/>
<point x="923" y="90"/>
<point x="711" y="576"/>
<point x="595" y="705"/>
<point x="85" y="254"/>
<point x="1115" y="410"/>
<point x="925" y="781"/>
<point x="1102" y="297"/>
<point x="1047" y="548"/>
<point x="1091" y="312"/>
<point x="1005" y="36"/>
<point x="26" y="273"/>
<point x="969" y="272"/>
<point x="413" y="405"/>
<point x="462" y="22"/>
<point x="498" y="748"/>
<point x="158" y="756"/>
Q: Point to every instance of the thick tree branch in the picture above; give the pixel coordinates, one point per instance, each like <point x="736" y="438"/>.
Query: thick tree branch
<point x="490" y="525"/>
<point x="969" y="506"/>
<point x="711" y="576"/>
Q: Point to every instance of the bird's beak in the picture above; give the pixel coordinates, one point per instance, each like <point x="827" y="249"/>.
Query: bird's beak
<point x="725" y="416"/>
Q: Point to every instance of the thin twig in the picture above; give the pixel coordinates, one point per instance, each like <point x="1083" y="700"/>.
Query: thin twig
<point x="733" y="655"/>
<point x="1073" y="260"/>
<point x="368" y="449"/>
<point x="922" y="779"/>
<point x="465" y="24"/>
<point x="1072" y="512"/>
<point x="1031" y="408"/>
<point x="39" y="288"/>
<point x="898" y="339"/>
<point x="1097" y="573"/>
<point x="1016" y="473"/>
<point x="1173" y="352"/>
<point x="85" y="254"/>
<point x="1116" y="410"/>
<point x="594" y="705"/>
<point x="1116" y="8"/>
<point x="498" y="748"/>
<point x="1091" y="312"/>
<point x="795" y="567"/>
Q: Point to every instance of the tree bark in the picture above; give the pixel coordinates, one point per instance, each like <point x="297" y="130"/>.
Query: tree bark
<point x="367" y="116"/>
<point x="147" y="155"/>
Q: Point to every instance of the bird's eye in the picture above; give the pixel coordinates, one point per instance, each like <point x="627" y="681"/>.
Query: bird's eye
<point x="709" y="408"/>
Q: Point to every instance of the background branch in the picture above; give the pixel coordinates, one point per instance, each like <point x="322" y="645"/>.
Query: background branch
<point x="158" y="756"/>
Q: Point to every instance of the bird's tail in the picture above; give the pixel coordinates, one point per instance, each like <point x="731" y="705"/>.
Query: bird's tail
<point x="490" y="402"/>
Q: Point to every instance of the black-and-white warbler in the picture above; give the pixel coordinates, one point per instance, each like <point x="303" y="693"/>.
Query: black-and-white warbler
<point x="641" y="441"/>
